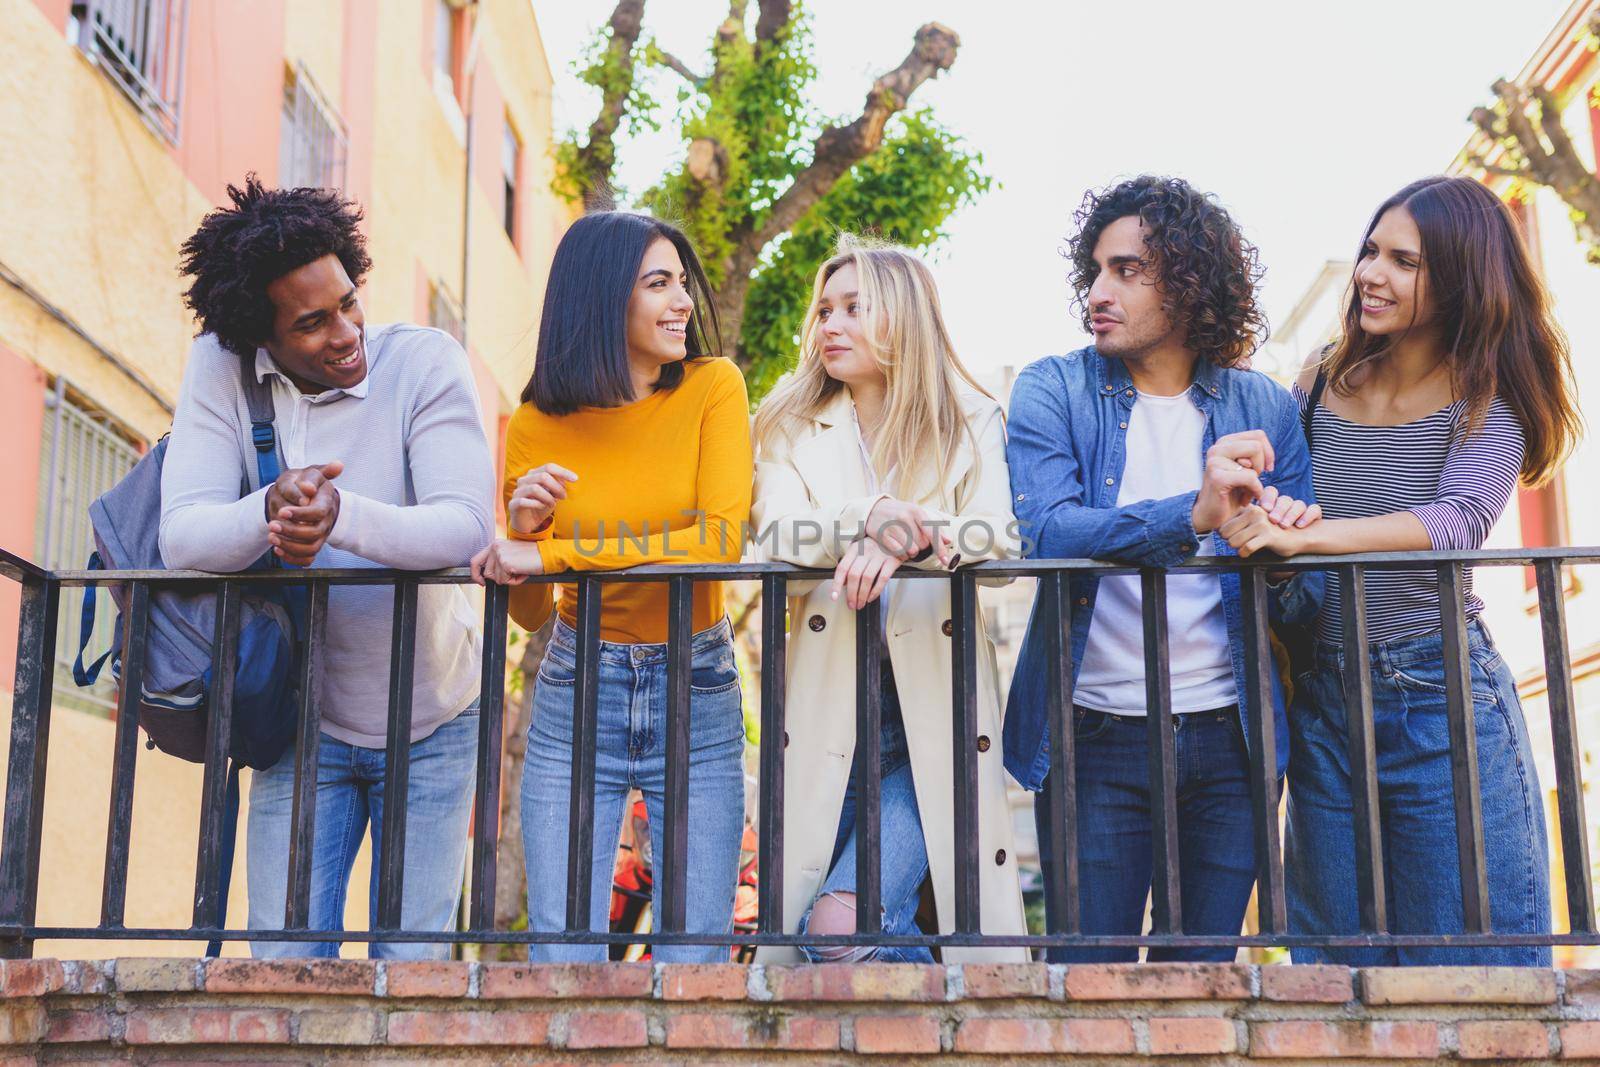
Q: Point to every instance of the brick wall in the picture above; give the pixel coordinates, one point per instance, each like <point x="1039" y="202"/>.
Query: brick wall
<point x="146" y="1010"/>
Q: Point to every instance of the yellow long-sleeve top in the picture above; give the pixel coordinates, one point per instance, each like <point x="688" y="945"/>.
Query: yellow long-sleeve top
<point x="665" y="479"/>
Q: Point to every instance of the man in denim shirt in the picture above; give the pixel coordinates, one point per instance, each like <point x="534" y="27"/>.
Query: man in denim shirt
<point x="1136" y="450"/>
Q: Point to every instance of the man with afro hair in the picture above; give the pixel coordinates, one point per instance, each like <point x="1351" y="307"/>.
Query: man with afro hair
<point x="385" y="464"/>
<point x="1136" y="449"/>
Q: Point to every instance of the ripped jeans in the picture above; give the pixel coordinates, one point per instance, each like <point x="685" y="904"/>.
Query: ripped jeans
<point x="903" y="861"/>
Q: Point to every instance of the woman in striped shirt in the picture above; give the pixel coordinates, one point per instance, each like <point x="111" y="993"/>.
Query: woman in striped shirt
<point x="1451" y="381"/>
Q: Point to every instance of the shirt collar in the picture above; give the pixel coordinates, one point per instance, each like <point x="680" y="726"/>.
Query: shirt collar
<point x="1114" y="377"/>
<point x="266" y="365"/>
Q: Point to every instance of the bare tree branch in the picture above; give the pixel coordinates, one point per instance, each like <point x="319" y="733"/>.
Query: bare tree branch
<point x="774" y="16"/>
<point x="597" y="157"/>
<point x="1531" y="129"/>
<point x="673" y="63"/>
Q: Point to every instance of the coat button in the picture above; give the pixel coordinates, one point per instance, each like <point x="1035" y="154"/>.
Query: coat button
<point x="1000" y="856"/>
<point x="1111" y="481"/>
<point x="817" y="624"/>
<point x="946" y="628"/>
<point x="1083" y="602"/>
<point x="983" y="743"/>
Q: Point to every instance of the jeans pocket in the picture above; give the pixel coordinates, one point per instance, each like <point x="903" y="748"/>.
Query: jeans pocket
<point x="557" y="667"/>
<point x="714" y="671"/>
<point x="1088" y="724"/>
<point x="1429" y="678"/>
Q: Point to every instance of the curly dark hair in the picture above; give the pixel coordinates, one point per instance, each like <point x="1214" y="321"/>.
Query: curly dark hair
<point x="238" y="251"/>
<point x="1207" y="272"/>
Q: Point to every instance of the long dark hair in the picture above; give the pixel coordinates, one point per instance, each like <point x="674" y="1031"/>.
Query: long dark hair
<point x="1494" y="316"/>
<point x="582" y="356"/>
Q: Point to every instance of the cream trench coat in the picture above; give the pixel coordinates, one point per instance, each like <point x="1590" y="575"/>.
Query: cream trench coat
<point x="818" y="479"/>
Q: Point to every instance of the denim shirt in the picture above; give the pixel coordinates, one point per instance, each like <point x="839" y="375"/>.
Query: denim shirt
<point x="1067" y="449"/>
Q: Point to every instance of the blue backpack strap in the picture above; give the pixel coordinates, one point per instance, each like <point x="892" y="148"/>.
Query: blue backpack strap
<point x="80" y="674"/>
<point x="263" y="435"/>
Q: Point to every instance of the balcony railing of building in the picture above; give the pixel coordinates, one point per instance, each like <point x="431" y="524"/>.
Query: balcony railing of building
<point x="41" y="590"/>
<point x="142" y="46"/>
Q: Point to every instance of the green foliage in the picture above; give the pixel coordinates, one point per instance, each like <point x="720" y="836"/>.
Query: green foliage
<point x="755" y="109"/>
<point x="904" y="192"/>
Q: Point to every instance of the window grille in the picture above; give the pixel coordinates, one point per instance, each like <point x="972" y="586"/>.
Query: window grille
<point x="141" y="46"/>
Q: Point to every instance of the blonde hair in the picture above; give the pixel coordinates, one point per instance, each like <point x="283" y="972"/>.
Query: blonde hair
<point x="923" y="424"/>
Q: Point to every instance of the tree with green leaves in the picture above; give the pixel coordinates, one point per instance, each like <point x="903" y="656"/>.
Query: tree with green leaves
<point x="1523" y="139"/>
<point x="765" y="182"/>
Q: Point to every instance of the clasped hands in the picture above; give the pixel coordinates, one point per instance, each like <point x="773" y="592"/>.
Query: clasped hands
<point x="302" y="507"/>
<point x="895" y="531"/>
<point x="1232" y="501"/>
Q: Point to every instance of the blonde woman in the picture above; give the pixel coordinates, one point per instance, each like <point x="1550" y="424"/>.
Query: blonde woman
<point x="881" y="440"/>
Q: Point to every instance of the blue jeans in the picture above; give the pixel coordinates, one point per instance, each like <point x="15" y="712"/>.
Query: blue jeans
<point x="1216" y="841"/>
<point x="350" y="797"/>
<point x="631" y="753"/>
<point x="1417" y="807"/>
<point x="903" y="855"/>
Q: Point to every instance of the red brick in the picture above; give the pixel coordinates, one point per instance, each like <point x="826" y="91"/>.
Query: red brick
<point x="1158" y="981"/>
<point x="1307" y="983"/>
<point x="326" y="977"/>
<point x="427" y="978"/>
<point x="31" y="978"/>
<point x="726" y="1030"/>
<point x="160" y="975"/>
<point x="703" y="981"/>
<point x="1457" y="985"/>
<point x="74" y="1026"/>
<point x="1580" y="1041"/>
<point x="905" y="1035"/>
<point x="1583" y="988"/>
<point x="857" y="982"/>
<point x="1198" y="1036"/>
<point x="460" y="1027"/>
<point x="87" y="976"/>
<point x="606" y="1029"/>
<point x="22" y="1023"/>
<point x="1503" y="1039"/>
<point x="1106" y="1037"/>
<point x="207" y="1026"/>
<point x="1307" y="1039"/>
<point x="552" y="981"/>
<point x="991" y="980"/>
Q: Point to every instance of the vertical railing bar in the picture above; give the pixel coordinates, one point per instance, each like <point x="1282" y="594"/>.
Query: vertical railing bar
<point x="1166" y="912"/>
<point x="675" y="813"/>
<point x="30" y="745"/>
<point x="1271" y="908"/>
<point x="1061" y="795"/>
<point x="580" y="799"/>
<point x="1371" y="888"/>
<point x="774" y="661"/>
<point x="307" y="762"/>
<point x="491" y="729"/>
<point x="397" y="758"/>
<point x="1564" y="743"/>
<point x="214" y="783"/>
<point x="869" y="711"/>
<point x="1463" y="749"/>
<point x="125" y="754"/>
<point x="964" y="725"/>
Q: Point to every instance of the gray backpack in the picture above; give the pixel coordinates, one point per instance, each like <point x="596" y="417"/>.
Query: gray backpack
<point x="176" y="679"/>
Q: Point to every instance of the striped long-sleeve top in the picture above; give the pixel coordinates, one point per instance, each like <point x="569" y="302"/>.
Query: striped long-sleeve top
<point x="1455" y="485"/>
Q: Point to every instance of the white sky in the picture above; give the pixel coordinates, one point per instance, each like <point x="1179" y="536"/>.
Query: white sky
<point x="1300" y="116"/>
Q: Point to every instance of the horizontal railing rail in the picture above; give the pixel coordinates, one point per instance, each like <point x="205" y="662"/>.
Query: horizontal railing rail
<point x="22" y="843"/>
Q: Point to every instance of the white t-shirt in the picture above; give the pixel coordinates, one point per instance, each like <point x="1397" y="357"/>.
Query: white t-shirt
<point x="1164" y="459"/>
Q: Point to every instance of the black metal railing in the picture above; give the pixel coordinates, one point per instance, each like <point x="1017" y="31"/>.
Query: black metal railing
<point x="20" y="849"/>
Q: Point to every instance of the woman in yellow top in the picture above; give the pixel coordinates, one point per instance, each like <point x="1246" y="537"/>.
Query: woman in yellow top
<point x="881" y="431"/>
<point x="632" y="446"/>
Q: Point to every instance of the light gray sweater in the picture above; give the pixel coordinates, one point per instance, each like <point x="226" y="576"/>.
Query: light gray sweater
<point x="417" y="493"/>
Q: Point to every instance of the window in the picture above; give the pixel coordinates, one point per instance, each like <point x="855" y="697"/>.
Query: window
<point x="85" y="453"/>
<point x="139" y="44"/>
<point x="312" y="146"/>
<point x="446" y="46"/>
<point x="510" y="166"/>
<point x="443" y="311"/>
